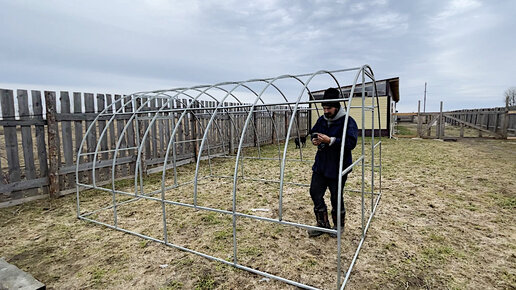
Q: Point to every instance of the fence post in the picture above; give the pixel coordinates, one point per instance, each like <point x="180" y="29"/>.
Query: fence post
<point x="481" y="124"/>
<point x="11" y="139"/>
<point x="255" y="126"/>
<point x="505" y="123"/>
<point x="419" y="121"/>
<point x="441" y="122"/>
<point x="274" y="125"/>
<point x="53" y="150"/>
<point x="428" y="118"/>
<point x="231" y="129"/>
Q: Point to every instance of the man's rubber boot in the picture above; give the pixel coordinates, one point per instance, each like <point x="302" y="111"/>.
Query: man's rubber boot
<point x="342" y="222"/>
<point x="322" y="221"/>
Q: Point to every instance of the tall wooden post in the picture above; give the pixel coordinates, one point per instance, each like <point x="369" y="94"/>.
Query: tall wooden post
<point x="274" y="125"/>
<point x="428" y="119"/>
<point x="441" y="122"/>
<point x="419" y="121"/>
<point x="286" y="124"/>
<point x="255" y="127"/>
<point x="231" y="130"/>
<point x="481" y="124"/>
<point x="505" y="123"/>
<point x="193" y="127"/>
<point x="53" y="149"/>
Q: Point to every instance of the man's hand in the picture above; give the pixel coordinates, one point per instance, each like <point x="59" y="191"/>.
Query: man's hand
<point x="321" y="138"/>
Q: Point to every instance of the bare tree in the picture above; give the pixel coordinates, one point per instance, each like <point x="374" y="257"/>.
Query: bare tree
<point x="510" y="97"/>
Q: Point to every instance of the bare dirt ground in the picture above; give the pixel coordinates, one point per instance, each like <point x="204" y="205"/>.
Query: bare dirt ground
<point x="446" y="219"/>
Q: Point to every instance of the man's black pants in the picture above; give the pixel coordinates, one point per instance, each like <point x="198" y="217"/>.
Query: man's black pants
<point x="318" y="188"/>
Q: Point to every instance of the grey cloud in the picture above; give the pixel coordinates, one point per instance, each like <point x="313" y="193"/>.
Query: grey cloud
<point x="455" y="46"/>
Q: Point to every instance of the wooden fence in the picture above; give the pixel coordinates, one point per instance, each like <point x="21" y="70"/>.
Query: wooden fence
<point x="492" y="122"/>
<point x="42" y="133"/>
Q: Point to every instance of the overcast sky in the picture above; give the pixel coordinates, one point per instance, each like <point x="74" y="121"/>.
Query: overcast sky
<point x="464" y="49"/>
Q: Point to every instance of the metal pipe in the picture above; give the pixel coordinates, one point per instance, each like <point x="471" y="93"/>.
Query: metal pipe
<point x="282" y="170"/>
<point x="340" y="186"/>
<point x="291" y="282"/>
<point x="141" y="113"/>
<point x="353" y="261"/>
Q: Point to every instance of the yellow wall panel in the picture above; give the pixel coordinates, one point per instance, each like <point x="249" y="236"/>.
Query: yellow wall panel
<point x="356" y="113"/>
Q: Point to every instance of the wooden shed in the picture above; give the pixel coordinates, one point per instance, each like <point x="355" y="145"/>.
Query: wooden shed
<point x="388" y="92"/>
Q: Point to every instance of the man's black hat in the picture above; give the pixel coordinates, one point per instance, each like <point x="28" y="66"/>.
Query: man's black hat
<point x="331" y="94"/>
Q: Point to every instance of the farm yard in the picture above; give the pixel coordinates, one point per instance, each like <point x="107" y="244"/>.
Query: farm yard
<point x="446" y="219"/>
<point x="189" y="144"/>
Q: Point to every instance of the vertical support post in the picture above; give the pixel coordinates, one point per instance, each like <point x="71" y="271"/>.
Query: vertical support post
<point x="505" y="123"/>
<point x="138" y="130"/>
<point x="481" y="124"/>
<point x="53" y="150"/>
<point x="429" y="131"/>
<point x="173" y="105"/>
<point x="255" y="127"/>
<point x="441" y="122"/>
<point x="373" y="144"/>
<point x="419" y="121"/>
<point x="231" y="132"/>
<point x="66" y="133"/>
<point x="462" y="130"/>
<point x="77" y="109"/>
<point x="11" y="139"/>
<point x="274" y="137"/>
<point x="193" y="126"/>
<point x="496" y="122"/>
<point x="286" y="124"/>
<point x="363" y="150"/>
<point x="40" y="136"/>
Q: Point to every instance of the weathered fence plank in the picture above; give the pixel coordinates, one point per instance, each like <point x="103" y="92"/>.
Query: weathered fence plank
<point x="131" y="131"/>
<point x="475" y="127"/>
<point x="91" y="137"/>
<point x="77" y="109"/>
<point x="161" y="129"/>
<point x="66" y="133"/>
<point x="11" y="138"/>
<point x="120" y="124"/>
<point x="40" y="136"/>
<point x="153" y="134"/>
<point x="27" y="144"/>
<point x="180" y="149"/>
<point x="103" y="173"/>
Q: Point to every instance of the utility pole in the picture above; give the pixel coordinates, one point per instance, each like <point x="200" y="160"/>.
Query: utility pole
<point x="424" y="102"/>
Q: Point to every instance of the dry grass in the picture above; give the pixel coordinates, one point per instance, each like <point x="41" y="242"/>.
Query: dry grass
<point x="446" y="220"/>
<point x="410" y="129"/>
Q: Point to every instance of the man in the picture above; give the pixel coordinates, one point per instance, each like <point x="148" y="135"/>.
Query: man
<point x="326" y="135"/>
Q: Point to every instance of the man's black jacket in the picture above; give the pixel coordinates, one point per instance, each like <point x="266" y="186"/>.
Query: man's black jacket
<point x="327" y="159"/>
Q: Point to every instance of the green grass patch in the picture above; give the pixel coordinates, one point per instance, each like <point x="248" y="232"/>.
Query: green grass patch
<point x="172" y="285"/>
<point x="206" y="282"/>
<point x="403" y="130"/>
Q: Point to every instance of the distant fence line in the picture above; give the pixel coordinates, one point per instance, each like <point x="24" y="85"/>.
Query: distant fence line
<point x="494" y="122"/>
<point x="41" y="140"/>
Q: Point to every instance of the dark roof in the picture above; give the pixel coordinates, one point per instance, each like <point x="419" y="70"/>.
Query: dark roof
<point x="384" y="86"/>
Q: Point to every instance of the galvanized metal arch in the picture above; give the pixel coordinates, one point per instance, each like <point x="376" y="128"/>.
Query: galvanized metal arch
<point x="161" y="110"/>
<point x="243" y="84"/>
<point x="174" y="95"/>
<point x="282" y="170"/>
<point x="179" y="121"/>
